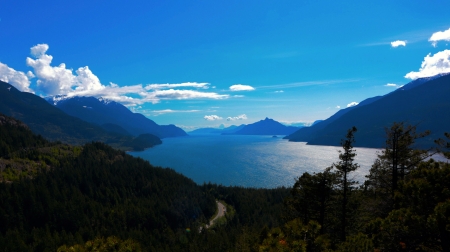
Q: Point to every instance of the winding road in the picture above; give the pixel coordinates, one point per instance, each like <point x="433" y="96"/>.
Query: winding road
<point x="221" y="210"/>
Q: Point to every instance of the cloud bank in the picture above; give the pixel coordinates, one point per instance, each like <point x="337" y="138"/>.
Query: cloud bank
<point x="398" y="43"/>
<point x="60" y="80"/>
<point x="432" y="65"/>
<point x="240" y="87"/>
<point x="18" y="79"/>
<point x="439" y="36"/>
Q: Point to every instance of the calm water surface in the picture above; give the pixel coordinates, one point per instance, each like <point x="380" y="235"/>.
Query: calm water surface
<point x="249" y="161"/>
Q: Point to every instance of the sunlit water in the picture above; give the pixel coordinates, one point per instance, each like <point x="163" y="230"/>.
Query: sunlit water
<point x="249" y="161"/>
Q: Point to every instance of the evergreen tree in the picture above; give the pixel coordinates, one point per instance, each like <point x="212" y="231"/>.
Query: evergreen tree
<point x="397" y="160"/>
<point x="311" y="198"/>
<point x="344" y="167"/>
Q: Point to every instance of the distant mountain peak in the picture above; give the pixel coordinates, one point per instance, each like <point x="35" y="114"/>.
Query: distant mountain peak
<point x="57" y="98"/>
<point x="104" y="100"/>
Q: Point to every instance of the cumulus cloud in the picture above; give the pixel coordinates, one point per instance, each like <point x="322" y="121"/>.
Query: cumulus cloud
<point x="338" y="107"/>
<point x="240" y="87"/>
<point x="52" y="80"/>
<point x="240" y="117"/>
<point x="212" y="117"/>
<point x="59" y="80"/>
<point x="279" y="91"/>
<point x="18" y="79"/>
<point x="398" y="43"/>
<point x="432" y="65"/>
<point x="39" y="50"/>
<point x="352" y="104"/>
<point x="439" y="36"/>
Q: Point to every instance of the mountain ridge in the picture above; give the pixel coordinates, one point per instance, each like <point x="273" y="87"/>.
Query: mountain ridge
<point x="102" y="111"/>
<point x="424" y="104"/>
<point x="52" y="123"/>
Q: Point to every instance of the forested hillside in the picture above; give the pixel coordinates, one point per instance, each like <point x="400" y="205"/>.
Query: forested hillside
<point x="94" y="198"/>
<point x="55" y="195"/>
<point x="53" y="124"/>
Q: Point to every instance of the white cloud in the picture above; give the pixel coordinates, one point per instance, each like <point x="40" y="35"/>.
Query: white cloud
<point x="212" y="117"/>
<point x="240" y="117"/>
<point x="439" y="36"/>
<point x="279" y="91"/>
<point x="338" y="107"/>
<point x="432" y="65"/>
<point x="174" y="94"/>
<point x="307" y="83"/>
<point x="238" y="96"/>
<point x="52" y="80"/>
<point x="30" y="75"/>
<point x="185" y="84"/>
<point x="167" y="111"/>
<point x="352" y="104"/>
<point x="59" y="80"/>
<point x="39" y="50"/>
<point x="391" y="85"/>
<point x="398" y="43"/>
<point x="16" y="78"/>
<point x="240" y="87"/>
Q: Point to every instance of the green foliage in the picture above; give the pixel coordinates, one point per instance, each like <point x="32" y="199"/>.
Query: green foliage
<point x="359" y="242"/>
<point x="312" y="198"/>
<point x="419" y="221"/>
<point x="295" y="236"/>
<point x="63" y="196"/>
<point x="111" y="243"/>
<point x="55" y="196"/>
<point x="395" y="162"/>
<point x="344" y="167"/>
<point x="142" y="142"/>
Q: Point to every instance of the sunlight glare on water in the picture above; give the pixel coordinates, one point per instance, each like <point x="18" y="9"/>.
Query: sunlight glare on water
<point x="248" y="161"/>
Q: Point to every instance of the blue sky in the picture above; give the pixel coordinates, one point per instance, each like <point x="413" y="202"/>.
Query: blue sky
<point x="206" y="63"/>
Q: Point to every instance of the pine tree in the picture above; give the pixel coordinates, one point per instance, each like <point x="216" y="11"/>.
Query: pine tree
<point x="344" y="167"/>
<point x="397" y="160"/>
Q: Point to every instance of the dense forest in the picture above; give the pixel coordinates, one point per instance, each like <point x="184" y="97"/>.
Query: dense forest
<point x="58" y="197"/>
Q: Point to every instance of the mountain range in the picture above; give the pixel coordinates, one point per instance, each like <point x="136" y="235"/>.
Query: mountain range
<point x="230" y="129"/>
<point x="423" y="102"/>
<point x="262" y="127"/>
<point x="53" y="124"/>
<point x="113" y="116"/>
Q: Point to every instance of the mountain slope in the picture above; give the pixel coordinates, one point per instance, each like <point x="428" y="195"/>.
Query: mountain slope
<point x="425" y="103"/>
<point x="266" y="127"/>
<point x="52" y="123"/>
<point x="101" y="111"/>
